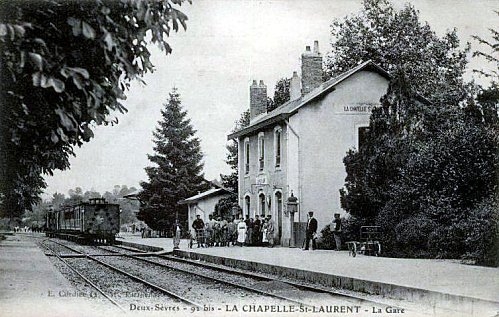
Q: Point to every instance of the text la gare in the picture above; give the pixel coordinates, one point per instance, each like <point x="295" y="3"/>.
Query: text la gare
<point x="388" y="310"/>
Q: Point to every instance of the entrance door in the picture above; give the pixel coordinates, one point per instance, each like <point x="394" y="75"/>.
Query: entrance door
<point x="278" y="204"/>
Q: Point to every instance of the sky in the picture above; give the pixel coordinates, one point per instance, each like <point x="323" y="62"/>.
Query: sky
<point x="227" y="45"/>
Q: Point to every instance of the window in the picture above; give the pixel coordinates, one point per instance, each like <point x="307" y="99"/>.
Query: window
<point x="277" y="146"/>
<point x="247" y="204"/>
<point x="246" y="156"/>
<point x="362" y="136"/>
<point x="261" y="150"/>
<point x="262" y="204"/>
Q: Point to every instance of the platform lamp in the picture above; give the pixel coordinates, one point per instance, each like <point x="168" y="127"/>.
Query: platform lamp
<point x="292" y="207"/>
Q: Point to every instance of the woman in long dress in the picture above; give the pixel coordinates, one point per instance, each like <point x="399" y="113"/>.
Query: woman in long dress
<point x="265" y="241"/>
<point x="241" y="232"/>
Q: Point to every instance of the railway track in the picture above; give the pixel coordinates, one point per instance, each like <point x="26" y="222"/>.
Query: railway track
<point x="83" y="277"/>
<point x="110" y="278"/>
<point x="213" y="277"/>
<point x="172" y="280"/>
<point x="208" y="269"/>
<point x="216" y="287"/>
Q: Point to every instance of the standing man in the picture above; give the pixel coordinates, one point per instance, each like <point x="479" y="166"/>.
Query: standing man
<point x="231" y="231"/>
<point x="270" y="231"/>
<point x="216" y="231"/>
<point x="223" y="231"/>
<point x="311" y="231"/>
<point x="177" y="228"/>
<point x="257" y="227"/>
<point x="209" y="230"/>
<point x="337" y="231"/>
<point x="198" y="226"/>
<point x="249" y="230"/>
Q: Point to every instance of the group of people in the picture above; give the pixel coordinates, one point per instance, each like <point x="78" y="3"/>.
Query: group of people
<point x="223" y="232"/>
<point x="215" y="232"/>
<point x="311" y="231"/>
<point x="253" y="232"/>
<point x="27" y="229"/>
<point x="258" y="232"/>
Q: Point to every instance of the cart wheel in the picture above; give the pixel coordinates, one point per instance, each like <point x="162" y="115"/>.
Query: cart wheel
<point x="378" y="249"/>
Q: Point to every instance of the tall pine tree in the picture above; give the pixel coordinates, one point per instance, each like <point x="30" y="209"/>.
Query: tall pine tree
<point x="177" y="173"/>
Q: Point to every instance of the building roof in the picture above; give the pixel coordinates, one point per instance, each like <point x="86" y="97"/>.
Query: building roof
<point x="205" y="194"/>
<point x="291" y="107"/>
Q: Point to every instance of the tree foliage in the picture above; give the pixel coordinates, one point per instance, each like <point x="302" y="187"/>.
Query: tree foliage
<point x="65" y="67"/>
<point x="492" y="53"/>
<point x="231" y="181"/>
<point x="397" y="39"/>
<point x="281" y="94"/>
<point x="428" y="171"/>
<point x="424" y="175"/>
<point x="177" y="171"/>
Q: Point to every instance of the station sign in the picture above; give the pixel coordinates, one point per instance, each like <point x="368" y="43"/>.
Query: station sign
<point x="358" y="108"/>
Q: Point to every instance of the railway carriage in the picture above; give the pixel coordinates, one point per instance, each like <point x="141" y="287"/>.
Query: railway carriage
<point x="92" y="221"/>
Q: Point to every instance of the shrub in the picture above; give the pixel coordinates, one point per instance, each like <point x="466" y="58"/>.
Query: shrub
<point x="481" y="234"/>
<point x="411" y="235"/>
<point x="447" y="241"/>
<point x="326" y="240"/>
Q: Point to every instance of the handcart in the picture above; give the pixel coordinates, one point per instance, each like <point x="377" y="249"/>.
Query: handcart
<point x="198" y="237"/>
<point x="369" y="244"/>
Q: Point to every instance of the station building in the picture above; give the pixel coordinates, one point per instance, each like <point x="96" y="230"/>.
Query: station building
<point x="298" y="148"/>
<point x="203" y="204"/>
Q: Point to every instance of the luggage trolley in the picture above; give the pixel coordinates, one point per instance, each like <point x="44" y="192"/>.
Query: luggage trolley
<point x="198" y="237"/>
<point x="369" y="244"/>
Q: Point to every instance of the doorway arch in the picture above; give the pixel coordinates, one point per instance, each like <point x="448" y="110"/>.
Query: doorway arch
<point x="278" y="210"/>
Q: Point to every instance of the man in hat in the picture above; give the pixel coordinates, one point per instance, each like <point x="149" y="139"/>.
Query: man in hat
<point x="311" y="231"/>
<point x="177" y="228"/>
<point x="270" y="231"/>
<point x="337" y="231"/>
<point x="198" y="226"/>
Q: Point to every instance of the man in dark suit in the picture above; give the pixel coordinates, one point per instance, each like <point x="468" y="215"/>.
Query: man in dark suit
<point x="311" y="231"/>
<point x="198" y="226"/>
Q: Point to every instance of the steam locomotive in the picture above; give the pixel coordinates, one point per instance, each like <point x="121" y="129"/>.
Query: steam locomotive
<point x="86" y="222"/>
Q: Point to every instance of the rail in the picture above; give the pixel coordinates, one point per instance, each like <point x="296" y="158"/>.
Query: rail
<point x="85" y="278"/>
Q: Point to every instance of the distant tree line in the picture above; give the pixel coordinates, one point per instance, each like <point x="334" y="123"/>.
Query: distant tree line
<point x="35" y="218"/>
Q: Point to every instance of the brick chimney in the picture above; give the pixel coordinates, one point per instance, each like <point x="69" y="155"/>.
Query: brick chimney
<point x="295" y="87"/>
<point x="311" y="69"/>
<point x="258" y="99"/>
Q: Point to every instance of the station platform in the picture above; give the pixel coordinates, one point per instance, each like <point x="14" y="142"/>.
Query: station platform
<point x="441" y="284"/>
<point x="30" y="285"/>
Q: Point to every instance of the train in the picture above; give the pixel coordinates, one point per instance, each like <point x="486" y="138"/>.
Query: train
<point x="95" y="221"/>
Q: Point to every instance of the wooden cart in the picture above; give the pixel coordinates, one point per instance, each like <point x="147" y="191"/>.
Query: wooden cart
<point x="369" y="243"/>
